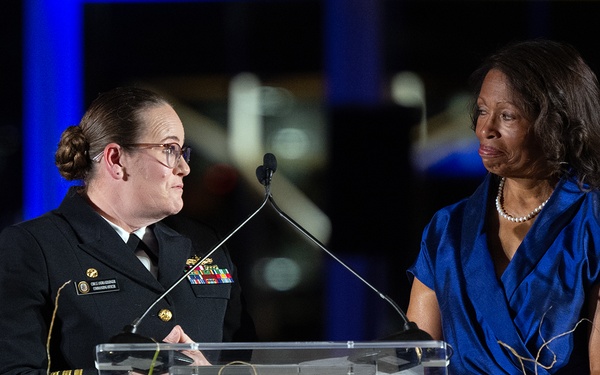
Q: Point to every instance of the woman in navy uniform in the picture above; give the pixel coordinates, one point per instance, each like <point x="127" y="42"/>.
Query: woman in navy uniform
<point x="69" y="280"/>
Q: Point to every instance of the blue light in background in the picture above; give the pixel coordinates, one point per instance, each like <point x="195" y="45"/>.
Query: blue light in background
<point x="353" y="52"/>
<point x="52" y="95"/>
<point x="346" y="310"/>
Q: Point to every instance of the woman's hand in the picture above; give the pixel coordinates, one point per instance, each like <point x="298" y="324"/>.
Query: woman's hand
<point x="178" y="336"/>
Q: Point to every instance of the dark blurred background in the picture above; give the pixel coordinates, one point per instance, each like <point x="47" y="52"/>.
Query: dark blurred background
<point x="363" y="102"/>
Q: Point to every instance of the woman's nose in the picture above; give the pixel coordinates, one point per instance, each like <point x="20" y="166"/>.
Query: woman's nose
<point x="486" y="127"/>
<point x="182" y="167"/>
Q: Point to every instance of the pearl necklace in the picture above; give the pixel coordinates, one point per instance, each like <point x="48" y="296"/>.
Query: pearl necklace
<point x="503" y="213"/>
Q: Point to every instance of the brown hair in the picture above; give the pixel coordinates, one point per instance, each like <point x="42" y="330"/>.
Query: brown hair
<point x="559" y="92"/>
<point x="112" y="117"/>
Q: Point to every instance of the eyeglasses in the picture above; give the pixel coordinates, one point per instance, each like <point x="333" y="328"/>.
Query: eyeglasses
<point x="173" y="150"/>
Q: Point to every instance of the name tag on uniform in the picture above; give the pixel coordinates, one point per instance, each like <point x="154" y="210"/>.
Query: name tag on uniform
<point x="97" y="286"/>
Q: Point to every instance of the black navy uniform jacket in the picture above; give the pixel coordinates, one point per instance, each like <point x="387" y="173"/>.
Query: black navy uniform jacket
<point x="74" y="244"/>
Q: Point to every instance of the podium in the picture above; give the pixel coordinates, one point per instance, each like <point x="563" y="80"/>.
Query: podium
<point x="277" y="358"/>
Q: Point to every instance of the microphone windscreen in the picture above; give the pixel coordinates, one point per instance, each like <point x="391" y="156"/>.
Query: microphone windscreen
<point x="270" y="162"/>
<point x="261" y="174"/>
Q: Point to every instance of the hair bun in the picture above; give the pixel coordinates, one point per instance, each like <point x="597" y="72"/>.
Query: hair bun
<point x="71" y="156"/>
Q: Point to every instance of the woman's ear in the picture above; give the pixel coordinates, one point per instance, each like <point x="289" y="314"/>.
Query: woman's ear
<point x="112" y="156"/>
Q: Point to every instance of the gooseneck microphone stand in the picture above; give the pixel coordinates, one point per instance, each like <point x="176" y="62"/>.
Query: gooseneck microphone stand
<point x="410" y="331"/>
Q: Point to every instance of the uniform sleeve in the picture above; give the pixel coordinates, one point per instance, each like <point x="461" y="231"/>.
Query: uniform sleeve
<point x="25" y="303"/>
<point x="26" y="306"/>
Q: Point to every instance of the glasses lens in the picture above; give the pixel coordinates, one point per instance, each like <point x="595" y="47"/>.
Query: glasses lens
<point x="174" y="152"/>
<point x="186" y="153"/>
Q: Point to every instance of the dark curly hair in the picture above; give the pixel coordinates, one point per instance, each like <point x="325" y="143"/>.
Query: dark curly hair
<point x="555" y="88"/>
<point x="112" y="117"/>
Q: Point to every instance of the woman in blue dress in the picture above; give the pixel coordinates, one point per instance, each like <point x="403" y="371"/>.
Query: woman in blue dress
<point x="509" y="277"/>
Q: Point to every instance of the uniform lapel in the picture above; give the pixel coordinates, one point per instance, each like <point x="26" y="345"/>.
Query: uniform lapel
<point x="98" y="239"/>
<point x="174" y="250"/>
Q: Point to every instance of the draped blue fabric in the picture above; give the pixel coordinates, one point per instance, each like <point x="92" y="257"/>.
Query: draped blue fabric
<point x="489" y="322"/>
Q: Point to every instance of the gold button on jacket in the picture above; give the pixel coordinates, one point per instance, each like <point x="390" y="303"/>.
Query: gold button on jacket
<point x="165" y="315"/>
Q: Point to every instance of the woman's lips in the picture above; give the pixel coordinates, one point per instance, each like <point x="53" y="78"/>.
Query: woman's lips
<point x="488" y="152"/>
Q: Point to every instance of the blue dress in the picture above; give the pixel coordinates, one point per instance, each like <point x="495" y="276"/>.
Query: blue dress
<point x="500" y="326"/>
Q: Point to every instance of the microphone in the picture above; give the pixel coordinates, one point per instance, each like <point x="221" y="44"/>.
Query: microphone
<point x="410" y="331"/>
<point x="270" y="163"/>
<point x="265" y="172"/>
<point x="261" y="174"/>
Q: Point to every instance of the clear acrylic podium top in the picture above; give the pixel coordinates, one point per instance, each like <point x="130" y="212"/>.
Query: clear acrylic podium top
<point x="277" y="358"/>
